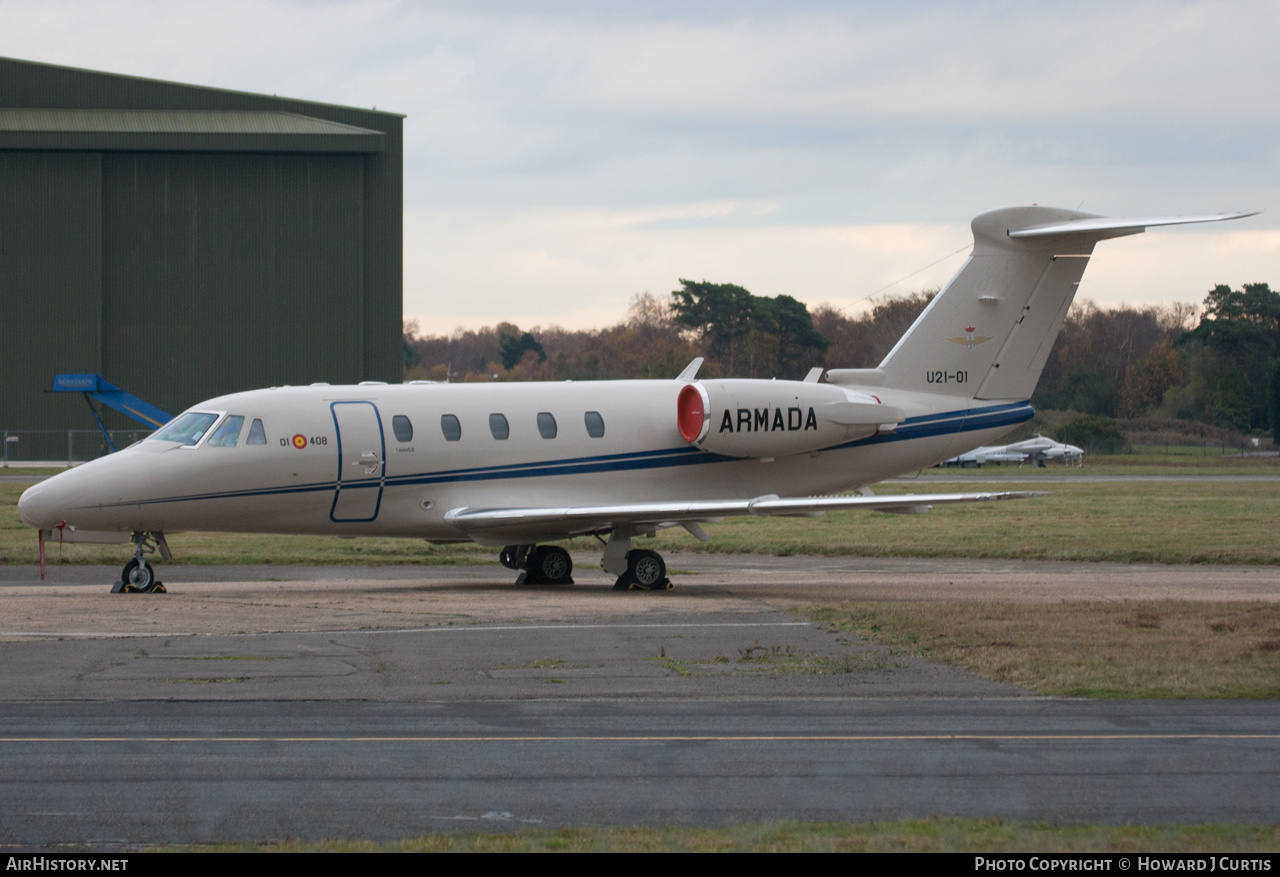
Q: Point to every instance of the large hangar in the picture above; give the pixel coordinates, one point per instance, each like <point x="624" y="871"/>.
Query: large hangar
<point x="187" y="241"/>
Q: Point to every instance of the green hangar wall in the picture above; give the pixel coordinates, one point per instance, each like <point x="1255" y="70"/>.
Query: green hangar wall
<point x="186" y="242"/>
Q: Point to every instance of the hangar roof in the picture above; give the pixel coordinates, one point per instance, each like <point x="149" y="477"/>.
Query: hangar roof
<point x="137" y="130"/>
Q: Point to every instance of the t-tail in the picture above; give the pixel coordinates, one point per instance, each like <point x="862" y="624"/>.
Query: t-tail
<point x="988" y="333"/>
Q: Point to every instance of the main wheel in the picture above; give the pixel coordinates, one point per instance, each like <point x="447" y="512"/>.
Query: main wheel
<point x="138" y="575"/>
<point x="510" y="556"/>
<point x="646" y="568"/>
<point x="551" y="565"/>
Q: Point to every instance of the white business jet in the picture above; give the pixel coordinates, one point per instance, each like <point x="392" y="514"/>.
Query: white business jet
<point x="521" y="466"/>
<point x="1036" y="450"/>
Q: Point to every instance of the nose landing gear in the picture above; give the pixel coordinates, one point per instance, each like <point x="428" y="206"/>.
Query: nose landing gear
<point x="138" y="576"/>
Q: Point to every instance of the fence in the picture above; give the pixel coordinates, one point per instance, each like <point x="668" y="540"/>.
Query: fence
<point x="64" y="445"/>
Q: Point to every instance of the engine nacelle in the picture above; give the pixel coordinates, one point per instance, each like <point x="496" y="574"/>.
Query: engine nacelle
<point x="751" y="418"/>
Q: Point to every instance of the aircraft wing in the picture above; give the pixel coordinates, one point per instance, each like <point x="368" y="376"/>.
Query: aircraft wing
<point x="1003" y="457"/>
<point x="577" y="520"/>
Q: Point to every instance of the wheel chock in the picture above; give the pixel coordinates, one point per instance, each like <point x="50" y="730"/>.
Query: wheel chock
<point x="122" y="588"/>
<point x="626" y="584"/>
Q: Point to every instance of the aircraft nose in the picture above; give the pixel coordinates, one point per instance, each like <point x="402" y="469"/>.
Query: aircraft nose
<point x="37" y="507"/>
<point x="100" y="495"/>
<point x="57" y="499"/>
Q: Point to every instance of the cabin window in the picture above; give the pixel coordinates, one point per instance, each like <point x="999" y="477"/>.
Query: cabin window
<point x="403" y="429"/>
<point x="499" y="427"/>
<point x="546" y="425"/>
<point x="595" y="424"/>
<point x="256" y="434"/>
<point x="451" y="428"/>
<point x="187" y="428"/>
<point x="228" y="434"/>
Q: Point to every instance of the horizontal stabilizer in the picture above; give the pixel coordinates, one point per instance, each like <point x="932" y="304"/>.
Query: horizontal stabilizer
<point x="1126" y="225"/>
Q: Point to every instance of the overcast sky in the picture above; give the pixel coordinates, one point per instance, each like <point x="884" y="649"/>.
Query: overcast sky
<point x="561" y="157"/>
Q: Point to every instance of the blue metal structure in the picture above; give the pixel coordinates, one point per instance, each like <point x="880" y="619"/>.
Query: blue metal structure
<point x="107" y="393"/>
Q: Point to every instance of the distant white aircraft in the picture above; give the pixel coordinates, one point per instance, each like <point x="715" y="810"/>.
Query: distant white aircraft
<point x="1036" y="450"/>
<point x="519" y="466"/>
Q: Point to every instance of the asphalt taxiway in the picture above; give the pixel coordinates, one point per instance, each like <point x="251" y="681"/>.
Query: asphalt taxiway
<point x="266" y="703"/>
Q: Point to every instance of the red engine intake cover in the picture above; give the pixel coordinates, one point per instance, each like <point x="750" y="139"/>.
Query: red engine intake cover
<point x="691" y="413"/>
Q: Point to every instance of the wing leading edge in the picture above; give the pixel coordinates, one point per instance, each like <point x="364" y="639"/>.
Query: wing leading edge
<point x="579" y="520"/>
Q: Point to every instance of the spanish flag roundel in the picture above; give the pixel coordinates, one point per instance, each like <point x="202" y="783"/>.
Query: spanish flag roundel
<point x="299" y="441"/>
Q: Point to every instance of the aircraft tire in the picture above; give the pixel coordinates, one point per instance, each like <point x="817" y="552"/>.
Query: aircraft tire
<point x="647" y="570"/>
<point x="138" y="576"/>
<point x="551" y="565"/>
<point x="509" y="556"/>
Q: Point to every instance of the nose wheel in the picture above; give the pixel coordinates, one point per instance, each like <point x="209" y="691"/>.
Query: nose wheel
<point x="138" y="576"/>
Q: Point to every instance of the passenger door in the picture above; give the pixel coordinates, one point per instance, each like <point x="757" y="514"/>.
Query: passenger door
<point x="362" y="466"/>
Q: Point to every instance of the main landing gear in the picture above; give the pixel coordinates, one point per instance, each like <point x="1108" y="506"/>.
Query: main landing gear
<point x="538" y="564"/>
<point x="138" y="576"/>
<point x="636" y="569"/>
<point x="646" y="571"/>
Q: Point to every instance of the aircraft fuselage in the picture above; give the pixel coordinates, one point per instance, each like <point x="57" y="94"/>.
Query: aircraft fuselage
<point x="392" y="460"/>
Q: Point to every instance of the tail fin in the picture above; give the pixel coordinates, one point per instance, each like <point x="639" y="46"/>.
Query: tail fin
<point x="988" y="333"/>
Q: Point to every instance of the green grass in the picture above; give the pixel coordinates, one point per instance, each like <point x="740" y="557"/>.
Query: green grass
<point x="1150" y="522"/>
<point x="1130" y="649"/>
<point x="1161" y="522"/>
<point x="907" y="835"/>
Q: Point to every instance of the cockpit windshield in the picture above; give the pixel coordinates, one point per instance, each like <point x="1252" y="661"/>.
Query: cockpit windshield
<point x="228" y="434"/>
<point x="187" y="428"/>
